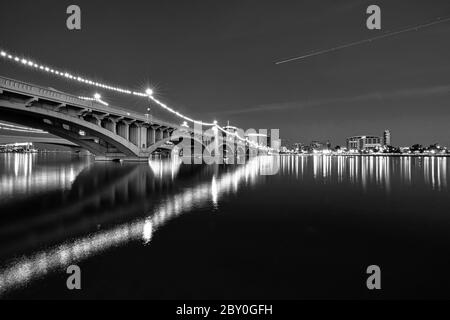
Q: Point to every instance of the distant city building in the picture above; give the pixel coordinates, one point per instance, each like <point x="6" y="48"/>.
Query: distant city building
<point x="320" y="146"/>
<point x="364" y="143"/>
<point x="387" y="138"/>
<point x="284" y="149"/>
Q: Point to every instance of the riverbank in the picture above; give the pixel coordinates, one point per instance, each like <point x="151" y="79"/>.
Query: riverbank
<point x="370" y="155"/>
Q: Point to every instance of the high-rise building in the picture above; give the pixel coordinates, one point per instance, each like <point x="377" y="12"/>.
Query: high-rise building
<point x="387" y="138"/>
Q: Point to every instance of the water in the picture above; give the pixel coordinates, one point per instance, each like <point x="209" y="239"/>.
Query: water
<point x="164" y="230"/>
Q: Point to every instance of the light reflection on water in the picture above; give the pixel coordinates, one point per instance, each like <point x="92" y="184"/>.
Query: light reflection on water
<point x="21" y="175"/>
<point x="128" y="203"/>
<point x="27" y="268"/>
<point x="368" y="171"/>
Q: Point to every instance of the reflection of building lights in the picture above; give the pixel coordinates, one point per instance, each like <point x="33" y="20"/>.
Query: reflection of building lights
<point x="214" y="191"/>
<point x="147" y="231"/>
<point x="26" y="269"/>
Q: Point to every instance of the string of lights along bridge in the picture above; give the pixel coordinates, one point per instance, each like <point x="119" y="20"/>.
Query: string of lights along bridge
<point x="147" y="94"/>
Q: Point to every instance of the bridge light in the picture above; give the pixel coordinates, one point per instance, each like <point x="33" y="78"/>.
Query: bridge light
<point x="97" y="96"/>
<point x="65" y="74"/>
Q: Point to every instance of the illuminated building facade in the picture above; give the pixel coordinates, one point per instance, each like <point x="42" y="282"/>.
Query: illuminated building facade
<point x="364" y="143"/>
<point x="387" y="138"/>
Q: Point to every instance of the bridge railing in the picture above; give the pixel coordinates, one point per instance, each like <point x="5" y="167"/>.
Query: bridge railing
<point x="64" y="98"/>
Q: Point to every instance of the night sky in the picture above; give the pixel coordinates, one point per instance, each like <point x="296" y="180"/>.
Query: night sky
<point x="214" y="60"/>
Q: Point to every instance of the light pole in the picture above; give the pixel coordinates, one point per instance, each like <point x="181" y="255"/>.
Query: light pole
<point x="149" y="92"/>
<point x="147" y="115"/>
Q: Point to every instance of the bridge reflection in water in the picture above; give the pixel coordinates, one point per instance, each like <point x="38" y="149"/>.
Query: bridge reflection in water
<point x="113" y="193"/>
<point x="57" y="212"/>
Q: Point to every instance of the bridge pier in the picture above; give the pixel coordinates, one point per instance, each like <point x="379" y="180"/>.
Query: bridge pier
<point x="95" y="121"/>
<point x="123" y="130"/>
<point x="133" y="135"/>
<point x="151" y="137"/>
<point x="142" y="137"/>
<point x="111" y="125"/>
<point x="159" y="135"/>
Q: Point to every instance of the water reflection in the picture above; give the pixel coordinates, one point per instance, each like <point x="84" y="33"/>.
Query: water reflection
<point x="369" y="171"/>
<point x="122" y="191"/>
<point x="21" y="174"/>
<point x="78" y="209"/>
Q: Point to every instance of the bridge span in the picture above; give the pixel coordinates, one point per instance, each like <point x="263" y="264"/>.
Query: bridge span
<point x="110" y="133"/>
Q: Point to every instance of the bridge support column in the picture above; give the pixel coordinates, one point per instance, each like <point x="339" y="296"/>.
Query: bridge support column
<point x="134" y="134"/>
<point x="96" y="121"/>
<point x="123" y="130"/>
<point x="151" y="137"/>
<point x="159" y="135"/>
<point x="143" y="137"/>
<point x="166" y="134"/>
<point x="111" y="125"/>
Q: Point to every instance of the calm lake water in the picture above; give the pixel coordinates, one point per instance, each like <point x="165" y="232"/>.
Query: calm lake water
<point x="163" y="230"/>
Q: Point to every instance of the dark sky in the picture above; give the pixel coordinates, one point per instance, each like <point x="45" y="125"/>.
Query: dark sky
<point x="214" y="60"/>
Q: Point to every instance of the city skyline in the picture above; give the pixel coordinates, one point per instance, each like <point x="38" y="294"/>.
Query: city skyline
<point x="399" y="83"/>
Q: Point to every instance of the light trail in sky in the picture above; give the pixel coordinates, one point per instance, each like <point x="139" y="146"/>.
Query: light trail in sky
<point x="356" y="43"/>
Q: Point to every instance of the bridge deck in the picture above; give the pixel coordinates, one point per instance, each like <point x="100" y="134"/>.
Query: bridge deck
<point x="40" y="92"/>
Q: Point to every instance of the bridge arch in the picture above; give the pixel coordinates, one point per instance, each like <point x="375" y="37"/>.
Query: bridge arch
<point x="108" y="133"/>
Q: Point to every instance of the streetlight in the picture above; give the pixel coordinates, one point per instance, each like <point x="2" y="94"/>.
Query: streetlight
<point x="149" y="92"/>
<point x="147" y="115"/>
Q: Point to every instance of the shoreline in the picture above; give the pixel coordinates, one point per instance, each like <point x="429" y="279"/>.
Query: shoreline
<point x="398" y="155"/>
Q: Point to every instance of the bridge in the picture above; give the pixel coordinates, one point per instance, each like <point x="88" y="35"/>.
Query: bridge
<point x="109" y="133"/>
